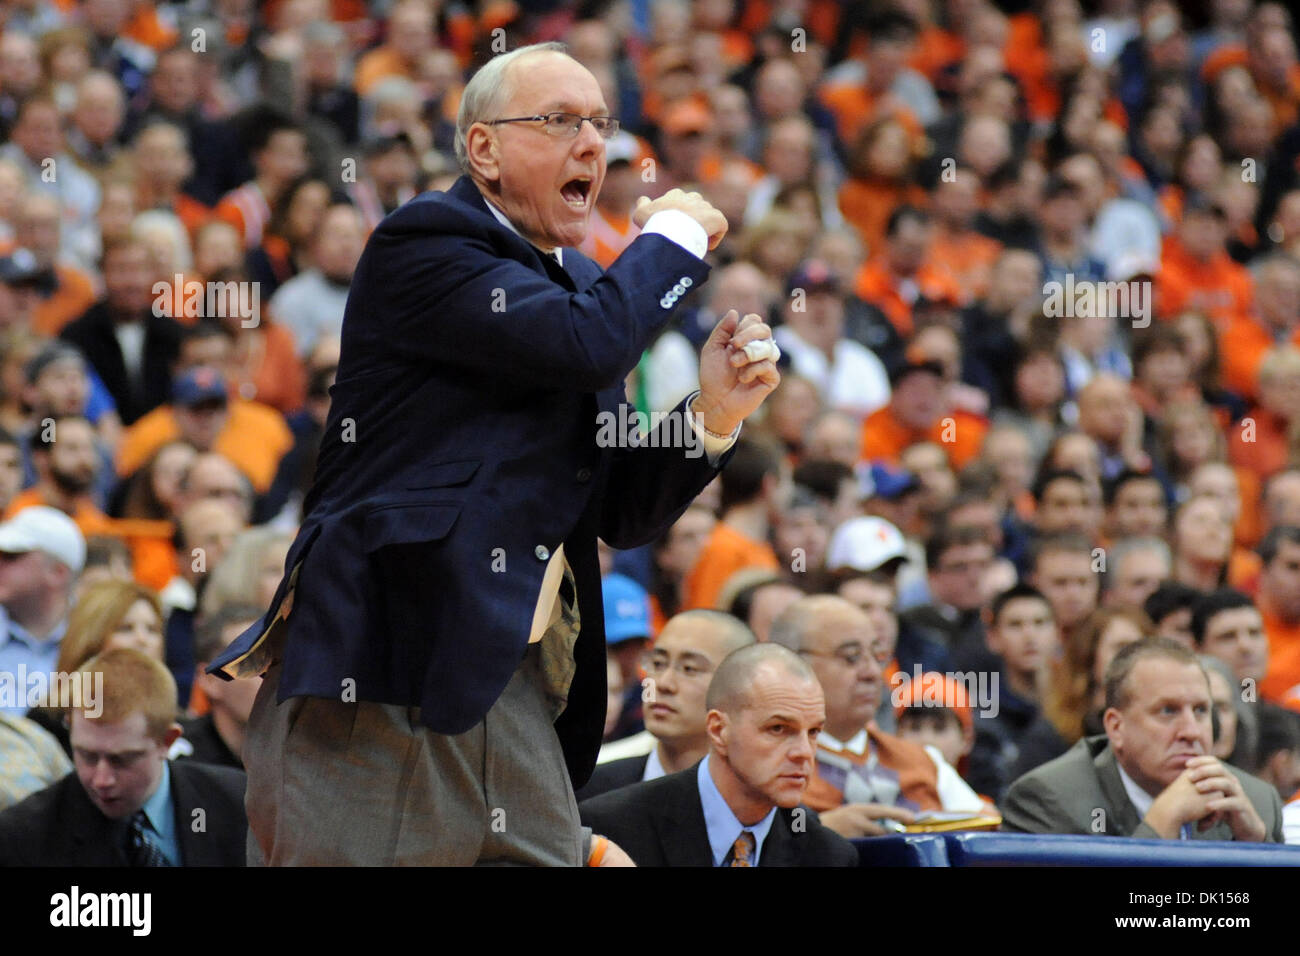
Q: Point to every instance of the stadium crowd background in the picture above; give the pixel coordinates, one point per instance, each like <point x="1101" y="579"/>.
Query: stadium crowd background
<point x="917" y="193"/>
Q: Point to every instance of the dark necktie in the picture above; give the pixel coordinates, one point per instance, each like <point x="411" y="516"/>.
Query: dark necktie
<point x="140" y="849"/>
<point x="742" y="851"/>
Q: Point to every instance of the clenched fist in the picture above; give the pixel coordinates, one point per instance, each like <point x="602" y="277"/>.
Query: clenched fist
<point x="693" y="204"/>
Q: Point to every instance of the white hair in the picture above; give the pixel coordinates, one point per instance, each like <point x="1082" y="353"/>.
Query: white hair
<point x="160" y="221"/>
<point x="485" y="91"/>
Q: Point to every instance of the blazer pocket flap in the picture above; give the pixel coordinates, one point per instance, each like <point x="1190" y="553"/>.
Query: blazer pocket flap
<point x="407" y="523"/>
<point x="446" y="475"/>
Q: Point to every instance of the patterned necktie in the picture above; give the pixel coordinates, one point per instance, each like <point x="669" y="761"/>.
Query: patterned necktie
<point x="140" y="850"/>
<point x="742" y="851"/>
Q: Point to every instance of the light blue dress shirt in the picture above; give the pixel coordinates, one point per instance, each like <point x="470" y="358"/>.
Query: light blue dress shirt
<point x="22" y="654"/>
<point x="723" y="827"/>
<point x="160" y="813"/>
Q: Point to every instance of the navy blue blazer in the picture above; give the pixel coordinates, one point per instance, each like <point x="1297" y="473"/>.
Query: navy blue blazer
<point x="460" y="451"/>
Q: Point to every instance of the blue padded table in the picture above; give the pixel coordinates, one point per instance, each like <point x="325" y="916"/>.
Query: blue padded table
<point x="907" y="849"/>
<point x="1032" y="849"/>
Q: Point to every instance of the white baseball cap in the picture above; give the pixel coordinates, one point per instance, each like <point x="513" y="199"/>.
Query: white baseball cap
<point x="40" y="528"/>
<point x="864" y="544"/>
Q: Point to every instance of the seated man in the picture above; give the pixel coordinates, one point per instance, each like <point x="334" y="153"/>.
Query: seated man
<point x="864" y="775"/>
<point x="739" y="805"/>
<point x="126" y="804"/>
<point x="686" y="655"/>
<point x="1152" y="774"/>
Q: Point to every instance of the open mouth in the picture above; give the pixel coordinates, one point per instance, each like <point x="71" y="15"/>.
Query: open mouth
<point x="576" y="191"/>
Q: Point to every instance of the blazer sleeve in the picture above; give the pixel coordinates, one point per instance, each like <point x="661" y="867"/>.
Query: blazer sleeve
<point x="1032" y="806"/>
<point x="433" y="287"/>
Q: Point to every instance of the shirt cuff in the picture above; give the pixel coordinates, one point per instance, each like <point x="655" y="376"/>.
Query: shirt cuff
<point x="678" y="227"/>
<point x="714" y="447"/>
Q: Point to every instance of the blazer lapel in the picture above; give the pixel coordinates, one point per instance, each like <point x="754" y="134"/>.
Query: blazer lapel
<point x="679" y="823"/>
<point x="98" y="841"/>
<point x="779" y="845"/>
<point x="465" y="190"/>
<point x="1126" y="818"/>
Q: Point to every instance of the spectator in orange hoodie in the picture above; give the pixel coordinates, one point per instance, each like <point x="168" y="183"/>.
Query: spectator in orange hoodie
<point x="905" y="271"/>
<point x="753" y="488"/>
<point x="920" y="410"/>
<point x="1248" y="337"/>
<point x="1262" y="441"/>
<point x="1196" y="271"/>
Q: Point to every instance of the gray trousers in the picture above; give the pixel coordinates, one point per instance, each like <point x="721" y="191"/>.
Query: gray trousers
<point x="366" y="784"/>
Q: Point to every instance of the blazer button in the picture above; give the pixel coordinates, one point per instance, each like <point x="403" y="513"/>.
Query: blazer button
<point x="542" y="552"/>
<point x="584" y="474"/>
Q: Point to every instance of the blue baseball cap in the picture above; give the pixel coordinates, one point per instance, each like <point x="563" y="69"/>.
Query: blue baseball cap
<point x="627" y="609"/>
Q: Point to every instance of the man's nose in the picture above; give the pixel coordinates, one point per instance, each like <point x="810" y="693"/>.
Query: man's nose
<point x="667" y="681"/>
<point x="103" y="775"/>
<point x="588" y="140"/>
<point x="803" y="750"/>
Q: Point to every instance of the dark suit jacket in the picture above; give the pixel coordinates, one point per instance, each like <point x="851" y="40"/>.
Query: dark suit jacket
<point x="93" y="334"/>
<point x="59" y="826"/>
<point x="460" y="452"/>
<point x="1064" y="795"/>
<point x="612" y="775"/>
<point x="661" y="823"/>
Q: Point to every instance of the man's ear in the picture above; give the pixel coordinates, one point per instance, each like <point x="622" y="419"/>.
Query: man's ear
<point x="483" y="152"/>
<point x="1113" y="721"/>
<point x="170" y="737"/>
<point x="715" y="723"/>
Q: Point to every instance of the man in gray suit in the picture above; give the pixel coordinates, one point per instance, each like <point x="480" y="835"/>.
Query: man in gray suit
<point x="1152" y="774"/>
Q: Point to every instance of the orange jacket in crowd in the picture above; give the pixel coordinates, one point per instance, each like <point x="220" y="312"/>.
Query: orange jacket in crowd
<point x="1243" y="343"/>
<point x="884" y="437"/>
<point x="1282" y="682"/>
<point x="876" y="283"/>
<point x="724" y="553"/>
<point x="1221" y="288"/>
<point x="255" y="439"/>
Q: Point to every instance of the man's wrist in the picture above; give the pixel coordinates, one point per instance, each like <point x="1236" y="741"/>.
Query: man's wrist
<point x="711" y="420"/>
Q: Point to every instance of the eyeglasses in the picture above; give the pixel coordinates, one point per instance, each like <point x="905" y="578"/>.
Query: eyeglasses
<point x="656" y="664"/>
<point x="851" y="655"/>
<point x="566" y="124"/>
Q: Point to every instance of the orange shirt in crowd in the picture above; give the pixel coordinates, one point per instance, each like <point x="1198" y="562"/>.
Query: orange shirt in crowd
<point x="935" y="48"/>
<point x="1243" y="343"/>
<point x="74" y="295"/>
<point x="1263" y="452"/>
<point x="1221" y="288"/>
<point x="255" y="439"/>
<point x="855" y="107"/>
<point x="968" y="258"/>
<point x="867" y="205"/>
<point x="147" y="29"/>
<point x="278" y="378"/>
<point x="607" y="237"/>
<point x="876" y="284"/>
<point x="724" y="553"/>
<point x="153" y="558"/>
<point x="1282" y="682"/>
<point x="959" y="433"/>
<point x="378" y="64"/>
